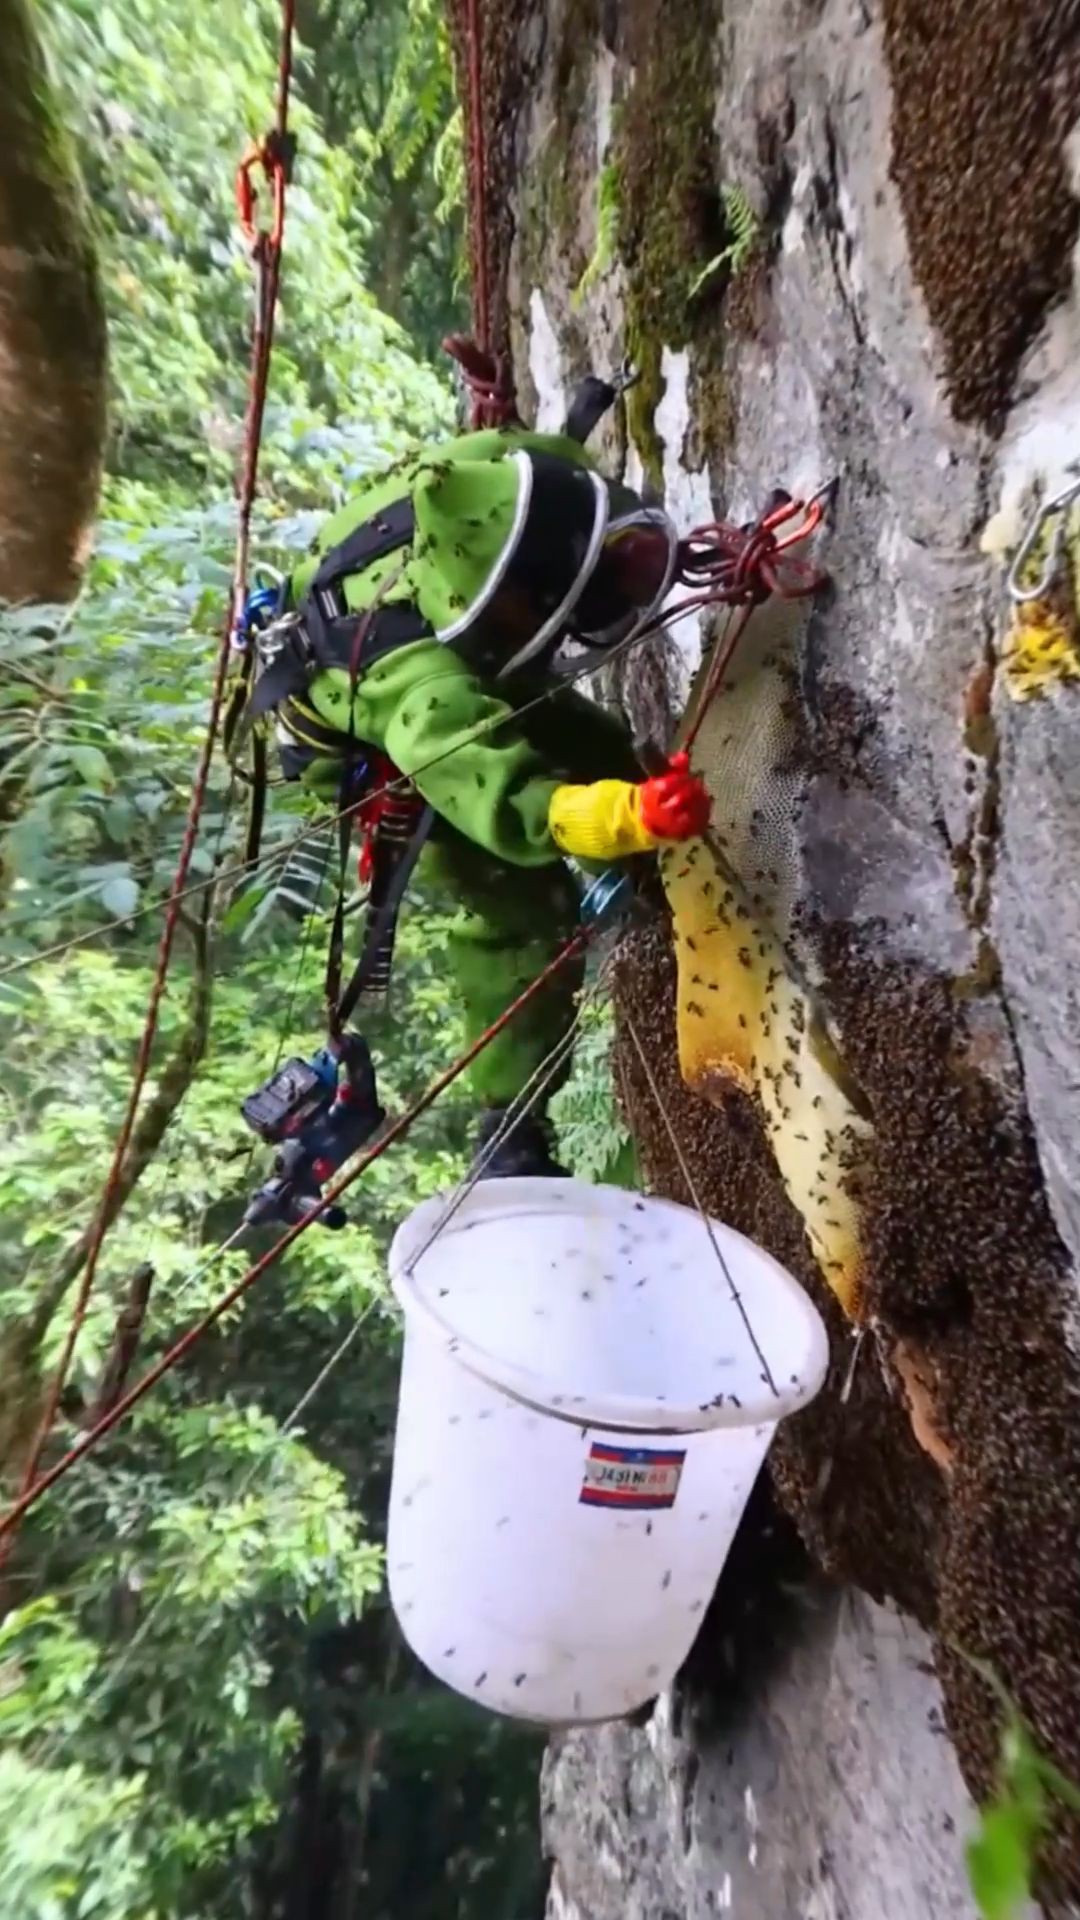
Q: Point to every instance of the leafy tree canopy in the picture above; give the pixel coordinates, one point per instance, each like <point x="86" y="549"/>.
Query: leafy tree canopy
<point x="201" y="1690"/>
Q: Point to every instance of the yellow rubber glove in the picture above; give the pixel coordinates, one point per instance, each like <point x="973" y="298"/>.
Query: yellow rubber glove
<point x="599" y="822"/>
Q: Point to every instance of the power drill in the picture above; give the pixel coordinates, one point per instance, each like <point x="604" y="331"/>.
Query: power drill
<point x="317" y="1113"/>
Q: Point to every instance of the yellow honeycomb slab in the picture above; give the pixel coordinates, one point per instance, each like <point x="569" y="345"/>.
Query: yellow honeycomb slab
<point x="745" y="1018"/>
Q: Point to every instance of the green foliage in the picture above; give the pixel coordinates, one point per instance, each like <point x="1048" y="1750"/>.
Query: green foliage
<point x="745" y="230"/>
<point x="608" y="194"/>
<point x="72" y="1845"/>
<point x="345" y="389"/>
<point x="203" y="1595"/>
<point x="394" y="111"/>
<point x="593" y="1138"/>
<point x="1003" y="1852"/>
<point x="420" y="97"/>
<point x="448" y="168"/>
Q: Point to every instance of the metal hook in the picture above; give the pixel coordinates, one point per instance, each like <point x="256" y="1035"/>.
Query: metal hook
<point x="1059" y="504"/>
<point x="825" y="495"/>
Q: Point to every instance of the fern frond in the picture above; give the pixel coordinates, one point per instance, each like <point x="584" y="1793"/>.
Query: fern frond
<point x="448" y="167"/>
<point x="744" y="227"/>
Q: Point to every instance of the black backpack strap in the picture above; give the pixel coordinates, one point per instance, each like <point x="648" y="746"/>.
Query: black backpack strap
<point x="385" y="532"/>
<point x="286" y="673"/>
<point x="324" y="628"/>
<point x="333" y="641"/>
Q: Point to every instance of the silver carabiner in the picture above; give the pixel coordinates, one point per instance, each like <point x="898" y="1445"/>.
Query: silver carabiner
<point x="270" y="639"/>
<point x="1059" y="504"/>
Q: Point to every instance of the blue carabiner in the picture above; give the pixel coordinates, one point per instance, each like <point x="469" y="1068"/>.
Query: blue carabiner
<point x="262" y="605"/>
<point x="607" y="898"/>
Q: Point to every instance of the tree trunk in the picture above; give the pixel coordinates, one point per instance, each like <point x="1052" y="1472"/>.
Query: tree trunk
<point x="52" y="334"/>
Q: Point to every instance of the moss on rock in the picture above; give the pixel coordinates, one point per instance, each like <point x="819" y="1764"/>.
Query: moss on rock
<point x="671" y="214"/>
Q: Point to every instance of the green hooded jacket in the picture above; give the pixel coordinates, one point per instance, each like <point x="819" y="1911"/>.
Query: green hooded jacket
<point x="422" y="704"/>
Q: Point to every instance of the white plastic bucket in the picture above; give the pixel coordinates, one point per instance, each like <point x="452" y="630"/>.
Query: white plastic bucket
<point x="584" y="1408"/>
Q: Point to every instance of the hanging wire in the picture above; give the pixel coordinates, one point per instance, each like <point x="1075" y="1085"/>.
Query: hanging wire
<point x="692" y="1189"/>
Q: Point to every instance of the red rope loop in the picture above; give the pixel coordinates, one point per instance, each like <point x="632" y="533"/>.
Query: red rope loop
<point x="488" y="380"/>
<point x="740" y="567"/>
<point x="269" y="155"/>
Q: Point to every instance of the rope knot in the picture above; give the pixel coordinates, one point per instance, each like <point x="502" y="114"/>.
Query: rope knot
<point x="488" y="379"/>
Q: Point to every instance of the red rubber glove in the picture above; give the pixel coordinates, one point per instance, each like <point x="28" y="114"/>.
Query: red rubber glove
<point x="675" y="805"/>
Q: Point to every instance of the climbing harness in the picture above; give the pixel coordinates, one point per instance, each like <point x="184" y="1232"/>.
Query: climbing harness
<point x="606" y="579"/>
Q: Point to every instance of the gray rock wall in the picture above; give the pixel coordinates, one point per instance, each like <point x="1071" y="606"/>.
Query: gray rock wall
<point x="835" y="1797"/>
<point x="937" y="842"/>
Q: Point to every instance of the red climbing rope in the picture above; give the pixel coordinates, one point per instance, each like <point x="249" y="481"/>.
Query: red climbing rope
<point x="182" y="1347"/>
<point x="487" y="374"/>
<point x="272" y="155"/>
<point x="740" y="567"/>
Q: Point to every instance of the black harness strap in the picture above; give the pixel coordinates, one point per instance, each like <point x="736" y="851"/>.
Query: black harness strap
<point x="325" y="633"/>
<point x="371" y="974"/>
<point x="363" y="626"/>
<point x="372" y="540"/>
<point x="335" y="947"/>
<point x="317" y="643"/>
<point x="257" y="804"/>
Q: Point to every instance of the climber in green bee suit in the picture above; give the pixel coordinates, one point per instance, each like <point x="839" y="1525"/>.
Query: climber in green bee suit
<point x="423" y="625"/>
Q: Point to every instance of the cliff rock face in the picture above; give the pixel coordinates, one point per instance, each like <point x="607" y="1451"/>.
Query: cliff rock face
<point x="835" y="1793"/>
<point x="836" y="237"/>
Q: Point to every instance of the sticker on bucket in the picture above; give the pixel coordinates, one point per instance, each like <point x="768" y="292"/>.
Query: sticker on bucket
<point x="641" y="1478"/>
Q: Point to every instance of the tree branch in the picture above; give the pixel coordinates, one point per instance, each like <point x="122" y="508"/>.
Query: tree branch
<point x="125" y="1345"/>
